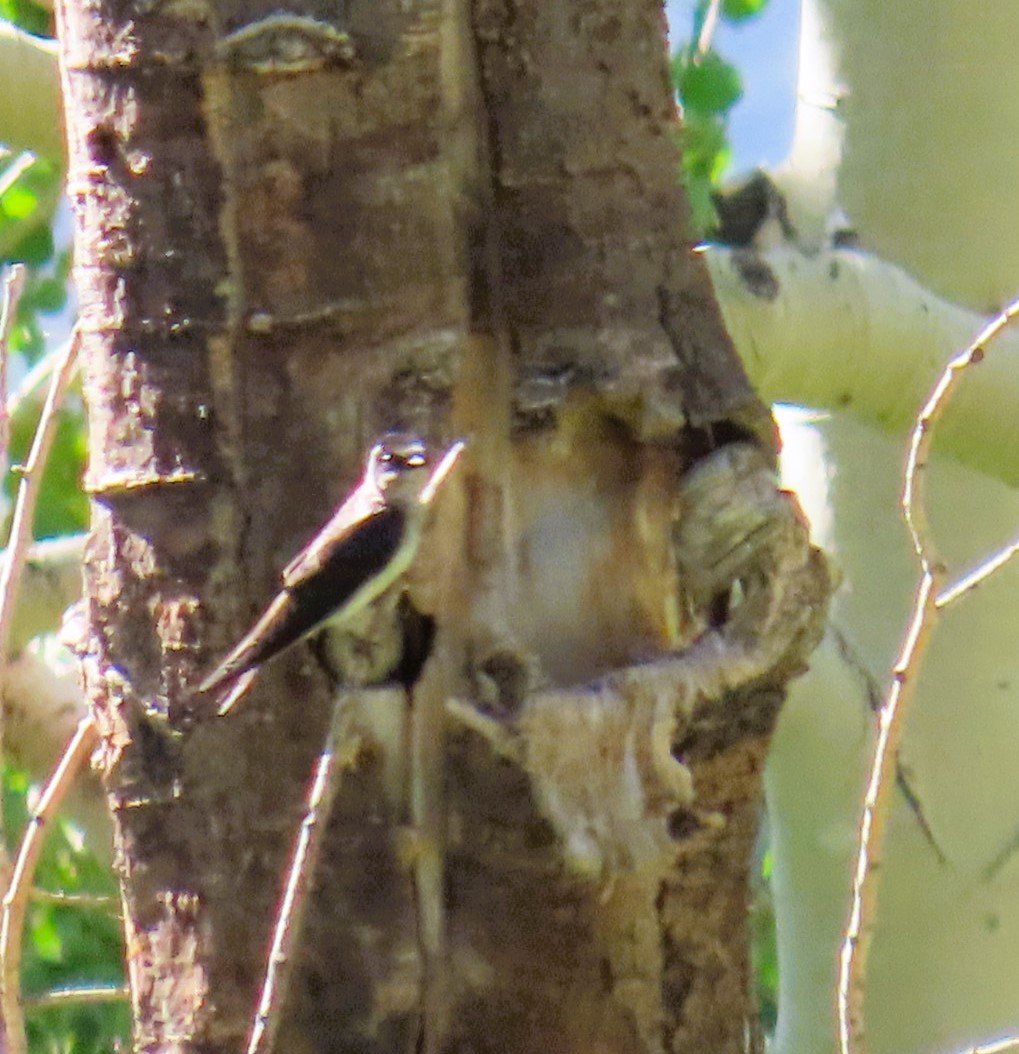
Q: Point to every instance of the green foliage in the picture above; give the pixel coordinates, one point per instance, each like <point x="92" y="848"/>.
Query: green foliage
<point x="68" y="946"/>
<point x="63" y="507"/>
<point x="65" y="946"/>
<point x="45" y="293"/>
<point x="740" y="10"/>
<point x="29" y="190"/>
<point x="764" y="946"/>
<point x="28" y="15"/>
<point x="708" y="87"/>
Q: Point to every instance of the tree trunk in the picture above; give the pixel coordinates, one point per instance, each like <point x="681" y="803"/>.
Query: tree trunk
<point x="294" y="234"/>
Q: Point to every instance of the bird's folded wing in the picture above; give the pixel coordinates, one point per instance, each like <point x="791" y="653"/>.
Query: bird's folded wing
<point x="354" y="512"/>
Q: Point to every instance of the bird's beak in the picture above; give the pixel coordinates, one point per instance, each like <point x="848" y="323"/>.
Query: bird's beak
<point x="442" y="470"/>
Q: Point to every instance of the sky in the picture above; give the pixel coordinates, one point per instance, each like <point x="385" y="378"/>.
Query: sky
<point x="764" y="51"/>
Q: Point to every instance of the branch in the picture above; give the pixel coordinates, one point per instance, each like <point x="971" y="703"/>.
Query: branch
<point x="842" y="330"/>
<point x="35" y="378"/>
<point x="708" y="28"/>
<point x="16" y="899"/>
<point x="28" y="495"/>
<point x="14" y="286"/>
<point x="95" y="994"/>
<point x="293" y="904"/>
<point x="52" y="571"/>
<point x="82" y="901"/>
<point x="892" y="718"/>
<point x="17" y="552"/>
<point x="41" y="711"/>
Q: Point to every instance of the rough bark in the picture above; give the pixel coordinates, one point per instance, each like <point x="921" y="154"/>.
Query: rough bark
<point x="296" y="232"/>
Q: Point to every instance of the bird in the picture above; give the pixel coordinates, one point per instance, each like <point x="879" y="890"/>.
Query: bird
<point x="363" y="551"/>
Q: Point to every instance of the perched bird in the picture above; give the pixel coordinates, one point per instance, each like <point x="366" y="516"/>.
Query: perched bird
<point x="365" y="548"/>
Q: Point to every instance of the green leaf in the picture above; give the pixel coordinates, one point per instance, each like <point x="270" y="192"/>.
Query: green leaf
<point x="741" y="10"/>
<point x="29" y="196"/>
<point x="19" y="202"/>
<point x="705" y="146"/>
<point x="45" y="935"/>
<point x="706" y="153"/>
<point x="34" y="247"/>
<point x="27" y="15"/>
<point x="48" y="295"/>
<point x="707" y="84"/>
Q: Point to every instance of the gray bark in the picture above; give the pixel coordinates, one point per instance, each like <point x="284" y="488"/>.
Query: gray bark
<point x="295" y="233"/>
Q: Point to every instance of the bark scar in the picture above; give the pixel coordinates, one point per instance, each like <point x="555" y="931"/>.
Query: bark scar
<point x="602" y="757"/>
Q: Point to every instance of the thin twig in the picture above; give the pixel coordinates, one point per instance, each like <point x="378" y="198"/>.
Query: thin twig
<point x="15" y="170"/>
<point x="35" y="378"/>
<point x="16" y="899"/>
<point x="996" y="1047"/>
<point x="426" y="743"/>
<point x="290" y="917"/>
<point x="28" y="494"/>
<point x="14" y="286"/>
<point x="81" y="901"/>
<point x="112" y="993"/>
<point x="892" y="717"/>
<point x="971" y="580"/>
<point x="708" y="27"/>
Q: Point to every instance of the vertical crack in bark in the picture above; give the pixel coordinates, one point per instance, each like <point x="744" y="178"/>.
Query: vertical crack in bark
<point x="231" y="524"/>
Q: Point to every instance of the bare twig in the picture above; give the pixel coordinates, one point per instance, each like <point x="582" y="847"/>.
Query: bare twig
<point x="35" y="378"/>
<point x="708" y="27"/>
<point x="891" y="719"/>
<point x="961" y="586"/>
<point x="82" y="901"/>
<point x="14" y="286"/>
<point x="426" y="743"/>
<point x="15" y="170"/>
<point x="995" y="1047"/>
<point x="290" y="917"/>
<point x="21" y="530"/>
<point x="28" y="495"/>
<point x="117" y="993"/>
<point x="16" y="899"/>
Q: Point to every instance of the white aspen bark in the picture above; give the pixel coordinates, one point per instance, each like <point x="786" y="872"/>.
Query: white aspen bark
<point x="944" y="958"/>
<point x="844" y="330"/>
<point x="906" y="130"/>
<point x="906" y="119"/>
<point x="29" y="93"/>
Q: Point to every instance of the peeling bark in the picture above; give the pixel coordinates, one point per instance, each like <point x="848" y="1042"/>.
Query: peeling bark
<point x="294" y="234"/>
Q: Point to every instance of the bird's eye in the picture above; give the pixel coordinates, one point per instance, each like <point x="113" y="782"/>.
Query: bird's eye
<point x="417" y="460"/>
<point x="386" y="456"/>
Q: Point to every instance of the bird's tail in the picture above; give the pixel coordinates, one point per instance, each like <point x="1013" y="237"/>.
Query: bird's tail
<point x="234" y="674"/>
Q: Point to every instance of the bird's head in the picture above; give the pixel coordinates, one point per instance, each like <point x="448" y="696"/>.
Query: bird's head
<point x="398" y="465"/>
<point x="401" y="467"/>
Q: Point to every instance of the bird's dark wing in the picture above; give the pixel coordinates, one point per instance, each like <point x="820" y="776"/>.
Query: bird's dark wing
<point x="317" y="586"/>
<point x="326" y="583"/>
<point x="265" y="638"/>
<point x="360" y="508"/>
